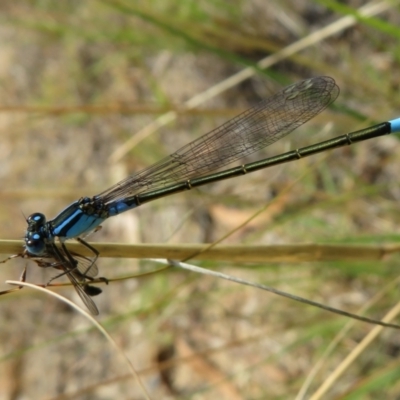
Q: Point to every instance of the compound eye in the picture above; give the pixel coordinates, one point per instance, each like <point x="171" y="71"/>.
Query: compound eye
<point x="36" y="221"/>
<point x="35" y="244"/>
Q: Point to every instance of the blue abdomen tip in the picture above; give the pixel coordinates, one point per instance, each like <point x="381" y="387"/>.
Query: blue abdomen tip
<point x="395" y="125"/>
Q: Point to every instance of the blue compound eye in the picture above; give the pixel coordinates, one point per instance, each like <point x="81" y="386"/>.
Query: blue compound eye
<point x="35" y="244"/>
<point x="36" y="221"/>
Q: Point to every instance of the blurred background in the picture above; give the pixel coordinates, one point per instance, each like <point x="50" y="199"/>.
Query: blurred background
<point x="81" y="87"/>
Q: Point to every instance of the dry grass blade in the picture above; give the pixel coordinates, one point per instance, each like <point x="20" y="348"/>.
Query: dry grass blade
<point x="311" y="252"/>
<point x="338" y="338"/>
<point x="355" y="353"/>
<point x="95" y="323"/>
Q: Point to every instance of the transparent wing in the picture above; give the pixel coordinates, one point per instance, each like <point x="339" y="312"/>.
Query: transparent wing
<point x="247" y="133"/>
<point x="79" y="274"/>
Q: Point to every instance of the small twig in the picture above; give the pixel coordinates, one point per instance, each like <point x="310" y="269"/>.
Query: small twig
<point x="276" y="291"/>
